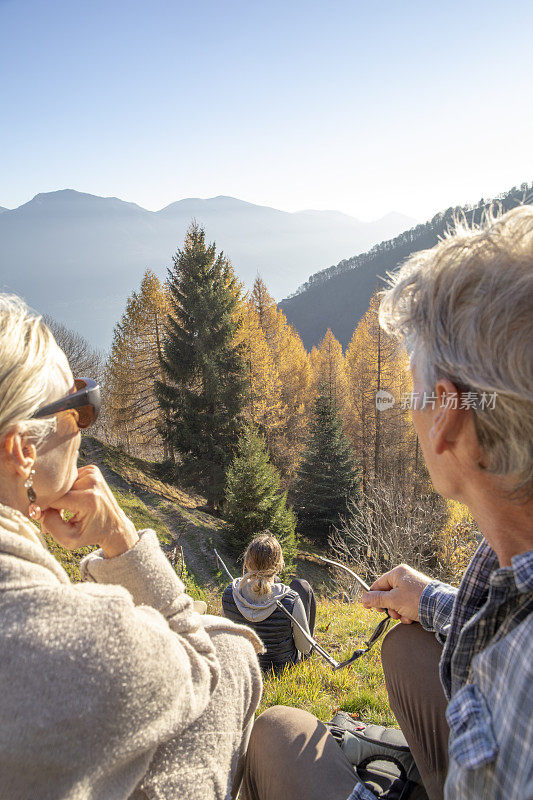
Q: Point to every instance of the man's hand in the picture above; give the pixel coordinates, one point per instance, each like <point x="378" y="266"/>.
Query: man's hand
<point x="96" y="517"/>
<point x="398" y="591"/>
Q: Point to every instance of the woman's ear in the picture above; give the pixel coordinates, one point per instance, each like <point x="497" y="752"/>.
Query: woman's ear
<point x="18" y="454"/>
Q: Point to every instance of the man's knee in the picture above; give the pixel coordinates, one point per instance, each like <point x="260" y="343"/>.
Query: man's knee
<point x="400" y="644"/>
<point x="275" y="719"/>
<point x="390" y="646"/>
<point x="277" y="728"/>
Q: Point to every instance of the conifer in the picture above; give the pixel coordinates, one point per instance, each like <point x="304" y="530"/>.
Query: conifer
<point x="254" y="499"/>
<point x="327" y="477"/>
<point x="134" y="365"/>
<point x="203" y="395"/>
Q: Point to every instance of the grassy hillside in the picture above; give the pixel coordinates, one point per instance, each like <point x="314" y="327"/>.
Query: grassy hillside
<point x="340" y="627"/>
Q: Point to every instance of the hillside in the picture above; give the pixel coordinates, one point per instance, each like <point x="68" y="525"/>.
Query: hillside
<point x="78" y="256"/>
<point x="340" y="626"/>
<point x="339" y="296"/>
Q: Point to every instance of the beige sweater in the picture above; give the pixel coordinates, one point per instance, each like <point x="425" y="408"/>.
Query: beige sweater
<point x="95" y="676"/>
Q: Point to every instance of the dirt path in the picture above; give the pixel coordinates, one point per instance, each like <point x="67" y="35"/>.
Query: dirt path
<point x="195" y="531"/>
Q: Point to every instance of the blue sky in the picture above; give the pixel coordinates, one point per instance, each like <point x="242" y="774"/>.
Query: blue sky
<point x="356" y="106"/>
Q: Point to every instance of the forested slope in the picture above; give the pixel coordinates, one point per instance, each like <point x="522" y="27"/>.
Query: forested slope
<point x="338" y="297"/>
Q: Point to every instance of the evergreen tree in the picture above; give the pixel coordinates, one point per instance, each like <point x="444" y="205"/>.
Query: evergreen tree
<point x="254" y="499"/>
<point x="327" y="477"/>
<point x="203" y="395"/>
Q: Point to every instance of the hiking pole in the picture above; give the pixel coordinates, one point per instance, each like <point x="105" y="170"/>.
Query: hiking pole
<point x="224" y="567"/>
<point x="354" y="575"/>
<point x="380" y="628"/>
<point x="314" y="644"/>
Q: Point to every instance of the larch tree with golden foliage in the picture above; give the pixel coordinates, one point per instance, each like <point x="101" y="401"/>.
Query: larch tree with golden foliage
<point x="133" y="367"/>
<point x="293" y="370"/>
<point x="264" y="406"/>
<point x="384" y="440"/>
<point x="329" y="374"/>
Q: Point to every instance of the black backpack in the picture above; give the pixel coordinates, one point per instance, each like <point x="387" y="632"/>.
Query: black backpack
<point x="380" y="757"/>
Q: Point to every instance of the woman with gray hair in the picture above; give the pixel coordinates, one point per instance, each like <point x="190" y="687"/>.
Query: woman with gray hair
<point x="114" y="687"/>
<point x="459" y="681"/>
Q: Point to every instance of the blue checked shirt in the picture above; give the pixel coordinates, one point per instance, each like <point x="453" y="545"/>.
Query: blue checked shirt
<point x="486" y="669"/>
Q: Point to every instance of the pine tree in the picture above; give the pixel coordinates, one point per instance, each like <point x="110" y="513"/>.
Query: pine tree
<point x="254" y="499"/>
<point x="327" y="477"/>
<point x="203" y="395"/>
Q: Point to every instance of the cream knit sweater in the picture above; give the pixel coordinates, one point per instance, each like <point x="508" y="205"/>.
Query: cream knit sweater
<point x="95" y="677"/>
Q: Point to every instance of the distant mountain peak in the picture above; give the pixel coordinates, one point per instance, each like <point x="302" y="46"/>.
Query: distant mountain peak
<point x="72" y="199"/>
<point x="77" y="256"/>
<point x="220" y="201"/>
<point x="397" y="216"/>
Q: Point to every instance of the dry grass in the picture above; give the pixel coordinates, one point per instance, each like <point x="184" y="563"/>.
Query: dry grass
<point x="314" y="686"/>
<point x="340" y="627"/>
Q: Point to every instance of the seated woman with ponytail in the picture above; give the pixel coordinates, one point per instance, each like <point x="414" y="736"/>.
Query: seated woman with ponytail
<point x="251" y="600"/>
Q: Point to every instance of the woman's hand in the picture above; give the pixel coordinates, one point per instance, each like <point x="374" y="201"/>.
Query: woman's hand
<point x="96" y="517"/>
<point x="398" y="591"/>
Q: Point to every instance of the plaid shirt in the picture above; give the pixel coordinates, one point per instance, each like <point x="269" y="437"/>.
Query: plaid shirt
<point x="486" y="670"/>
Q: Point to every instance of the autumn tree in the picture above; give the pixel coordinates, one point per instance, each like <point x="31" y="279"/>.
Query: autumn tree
<point x="254" y="499"/>
<point x="133" y="367"/>
<point x="327" y="476"/>
<point x="329" y="373"/>
<point x="381" y="434"/>
<point x="202" y="397"/>
<point x="293" y="370"/>
<point x="264" y="406"/>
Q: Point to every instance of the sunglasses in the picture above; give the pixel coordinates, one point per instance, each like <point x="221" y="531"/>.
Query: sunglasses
<point x="86" y="401"/>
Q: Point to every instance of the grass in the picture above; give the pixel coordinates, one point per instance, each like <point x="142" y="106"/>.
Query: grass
<point x="340" y="627"/>
<point x="314" y="686"/>
<point x="142" y="518"/>
<point x="146" y="475"/>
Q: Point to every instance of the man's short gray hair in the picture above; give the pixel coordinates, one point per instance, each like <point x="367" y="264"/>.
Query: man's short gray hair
<point x="29" y="361"/>
<point x="465" y="312"/>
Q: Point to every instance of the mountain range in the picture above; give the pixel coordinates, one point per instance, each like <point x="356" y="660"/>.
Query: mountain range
<point x="78" y="256"/>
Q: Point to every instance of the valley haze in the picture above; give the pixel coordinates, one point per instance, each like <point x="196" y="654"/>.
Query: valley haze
<point x="77" y="256"/>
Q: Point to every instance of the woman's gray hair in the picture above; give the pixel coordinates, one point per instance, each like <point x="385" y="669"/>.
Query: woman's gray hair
<point x="29" y="364"/>
<point x="465" y="312"/>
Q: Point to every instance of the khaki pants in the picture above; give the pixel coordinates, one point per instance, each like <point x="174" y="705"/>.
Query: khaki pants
<point x="291" y="755"/>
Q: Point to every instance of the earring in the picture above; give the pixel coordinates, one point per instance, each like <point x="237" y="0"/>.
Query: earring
<point x="34" y="512"/>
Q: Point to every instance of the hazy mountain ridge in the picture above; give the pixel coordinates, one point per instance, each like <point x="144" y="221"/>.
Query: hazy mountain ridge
<point x="77" y="256"/>
<point x="338" y="297"/>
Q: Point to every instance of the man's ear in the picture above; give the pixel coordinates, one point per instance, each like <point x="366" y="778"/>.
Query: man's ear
<point x="19" y="455"/>
<point x="448" y="417"/>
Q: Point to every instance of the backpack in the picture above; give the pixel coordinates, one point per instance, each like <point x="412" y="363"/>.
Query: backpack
<point x="380" y="756"/>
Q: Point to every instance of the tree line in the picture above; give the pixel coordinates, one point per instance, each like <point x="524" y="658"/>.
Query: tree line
<point x="337" y="297"/>
<point x="215" y="384"/>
